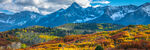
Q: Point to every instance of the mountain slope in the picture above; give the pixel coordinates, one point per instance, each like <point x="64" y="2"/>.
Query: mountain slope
<point x="74" y="13"/>
<point x="107" y="14"/>
<point x="140" y="16"/>
<point x="125" y="15"/>
<point x="8" y="42"/>
<point x="38" y="34"/>
<point x="18" y="20"/>
<point x="130" y="38"/>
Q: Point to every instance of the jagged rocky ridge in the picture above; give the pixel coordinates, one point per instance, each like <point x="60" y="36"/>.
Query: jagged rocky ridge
<point x="125" y="15"/>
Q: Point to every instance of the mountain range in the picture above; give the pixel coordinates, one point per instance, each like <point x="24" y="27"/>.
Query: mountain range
<point x="125" y="15"/>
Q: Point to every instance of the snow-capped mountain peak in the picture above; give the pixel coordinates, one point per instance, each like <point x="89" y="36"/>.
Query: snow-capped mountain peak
<point x="144" y="5"/>
<point x="126" y="15"/>
<point x="147" y="9"/>
<point x="75" y="5"/>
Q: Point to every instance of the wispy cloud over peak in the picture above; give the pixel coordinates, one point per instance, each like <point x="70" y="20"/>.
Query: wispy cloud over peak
<point x="100" y="1"/>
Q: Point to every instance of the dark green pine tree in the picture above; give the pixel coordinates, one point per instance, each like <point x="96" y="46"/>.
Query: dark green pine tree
<point x="99" y="48"/>
<point x="59" y="45"/>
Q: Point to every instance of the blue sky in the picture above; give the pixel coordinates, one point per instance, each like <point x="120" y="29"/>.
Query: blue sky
<point x="122" y="2"/>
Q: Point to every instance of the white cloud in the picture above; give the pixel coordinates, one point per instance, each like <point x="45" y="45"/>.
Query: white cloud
<point x="5" y="1"/>
<point x="11" y="7"/>
<point x="83" y="3"/>
<point x="96" y="6"/>
<point x="102" y="2"/>
<point x="39" y="6"/>
<point x="31" y="8"/>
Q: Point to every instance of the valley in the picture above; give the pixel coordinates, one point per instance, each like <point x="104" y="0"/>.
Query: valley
<point x="124" y="27"/>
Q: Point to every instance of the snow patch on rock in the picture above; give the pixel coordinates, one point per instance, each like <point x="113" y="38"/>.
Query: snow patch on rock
<point x="21" y="23"/>
<point x="84" y="20"/>
<point x="7" y="21"/>
<point x="147" y="9"/>
<point x="117" y="15"/>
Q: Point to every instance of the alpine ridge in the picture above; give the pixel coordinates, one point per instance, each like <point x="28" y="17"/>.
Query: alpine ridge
<point x="125" y="15"/>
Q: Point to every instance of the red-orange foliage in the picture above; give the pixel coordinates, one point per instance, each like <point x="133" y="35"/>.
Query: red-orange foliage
<point x="118" y="35"/>
<point x="6" y="39"/>
<point x="135" y="44"/>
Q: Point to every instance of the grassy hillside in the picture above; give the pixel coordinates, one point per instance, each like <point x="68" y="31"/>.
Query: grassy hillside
<point x="88" y="28"/>
<point x="8" y="42"/>
<point x="39" y="34"/>
<point x="6" y="39"/>
<point x="130" y="37"/>
<point x="34" y="34"/>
